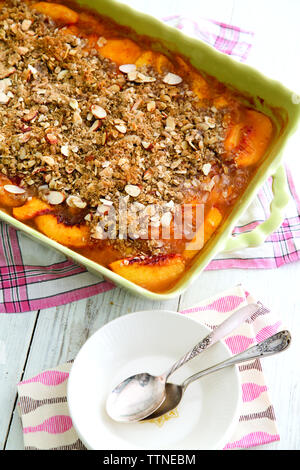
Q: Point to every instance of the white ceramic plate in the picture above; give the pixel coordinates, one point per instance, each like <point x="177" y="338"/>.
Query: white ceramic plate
<point x="151" y="341"/>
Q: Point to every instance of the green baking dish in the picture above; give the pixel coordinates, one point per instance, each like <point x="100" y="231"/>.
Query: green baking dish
<point x="266" y="95"/>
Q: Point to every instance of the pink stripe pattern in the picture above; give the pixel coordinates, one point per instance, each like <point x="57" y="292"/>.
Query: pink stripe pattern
<point x="54" y="425"/>
<point x="257" y="422"/>
<point x="49" y="378"/>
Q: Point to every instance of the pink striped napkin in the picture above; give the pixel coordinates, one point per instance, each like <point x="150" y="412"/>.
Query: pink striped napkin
<point x="42" y="399"/>
<point x="33" y="277"/>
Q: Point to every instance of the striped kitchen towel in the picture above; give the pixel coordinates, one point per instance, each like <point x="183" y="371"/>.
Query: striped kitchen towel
<point x="33" y="277"/>
<point x="42" y="400"/>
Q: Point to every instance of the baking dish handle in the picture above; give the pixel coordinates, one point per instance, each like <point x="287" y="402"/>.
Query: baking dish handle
<point x="258" y="235"/>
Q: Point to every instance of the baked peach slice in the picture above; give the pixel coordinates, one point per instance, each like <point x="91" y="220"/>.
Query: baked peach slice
<point x="248" y="140"/>
<point x="155" y="273"/>
<point x="211" y="222"/>
<point x="120" y="50"/>
<point x="155" y="59"/>
<point x="32" y="208"/>
<point x="74" y="236"/>
<point x="59" y="13"/>
<point x="8" y="198"/>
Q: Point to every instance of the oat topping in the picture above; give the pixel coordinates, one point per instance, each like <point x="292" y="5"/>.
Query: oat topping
<point x="90" y="131"/>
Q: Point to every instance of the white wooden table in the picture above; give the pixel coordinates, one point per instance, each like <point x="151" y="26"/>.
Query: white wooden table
<point x="38" y="340"/>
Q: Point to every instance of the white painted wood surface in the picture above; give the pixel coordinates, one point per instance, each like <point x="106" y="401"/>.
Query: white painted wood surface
<point x="33" y="341"/>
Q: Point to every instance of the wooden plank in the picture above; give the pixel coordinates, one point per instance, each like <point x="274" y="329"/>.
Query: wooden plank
<point x="15" y="335"/>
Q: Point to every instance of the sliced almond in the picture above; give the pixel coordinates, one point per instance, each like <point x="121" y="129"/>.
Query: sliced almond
<point x="127" y="68"/>
<point x="146" y="144"/>
<point x="13" y="189"/>
<point x="77" y="119"/>
<point x="26" y="25"/>
<point x="73" y="103"/>
<point x="121" y="128"/>
<point x="32" y="69"/>
<point x="96" y="124"/>
<point x="6" y="72"/>
<point x="132" y="190"/>
<point x="151" y="106"/>
<point x="49" y="160"/>
<point x="75" y="201"/>
<point x="65" y="150"/>
<point x="172" y="79"/>
<point x="4" y="99"/>
<point x="52" y="139"/>
<point x="55" y="197"/>
<point x="30" y="115"/>
<point x="106" y="202"/>
<point x="101" y="41"/>
<point x="206" y="168"/>
<point x="62" y="74"/>
<point x="98" y="111"/>
<point x="170" y="123"/>
<point x="4" y="84"/>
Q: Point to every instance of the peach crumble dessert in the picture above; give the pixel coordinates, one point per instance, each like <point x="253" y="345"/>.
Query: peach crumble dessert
<point x="95" y="124"/>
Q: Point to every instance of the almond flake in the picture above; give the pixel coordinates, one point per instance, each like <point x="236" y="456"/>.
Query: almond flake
<point x="101" y="41"/>
<point x="49" y="160"/>
<point x="11" y="188"/>
<point x="73" y="103"/>
<point x="4" y="99"/>
<point x="106" y="202"/>
<point x="55" y="197"/>
<point x="30" y="115"/>
<point x="172" y="79"/>
<point x="4" y="84"/>
<point x="62" y="74"/>
<point x="98" y="111"/>
<point x="170" y="124"/>
<point x="206" y="168"/>
<point x="121" y="128"/>
<point x="26" y="25"/>
<point x="7" y="72"/>
<point x="151" y="106"/>
<point x="32" y="69"/>
<point x="132" y="190"/>
<point x="65" y="150"/>
<point x="146" y="144"/>
<point x="75" y="201"/>
<point x="77" y="119"/>
<point x="96" y="124"/>
<point x="127" y="68"/>
<point x="51" y="138"/>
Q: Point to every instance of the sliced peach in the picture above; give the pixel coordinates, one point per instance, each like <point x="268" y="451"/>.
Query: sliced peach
<point x="121" y="50"/>
<point x="103" y="255"/>
<point x="156" y="60"/>
<point x="74" y="235"/>
<point x="248" y="140"/>
<point x="211" y="223"/>
<point x="32" y="208"/>
<point x="156" y="273"/>
<point x="59" y="13"/>
<point x="198" y="83"/>
<point x="8" y="199"/>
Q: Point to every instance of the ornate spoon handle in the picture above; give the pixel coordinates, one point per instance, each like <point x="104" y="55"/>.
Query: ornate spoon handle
<point x="273" y="345"/>
<point x="220" y="332"/>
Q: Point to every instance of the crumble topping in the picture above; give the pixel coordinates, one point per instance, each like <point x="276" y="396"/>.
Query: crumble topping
<point x="87" y="132"/>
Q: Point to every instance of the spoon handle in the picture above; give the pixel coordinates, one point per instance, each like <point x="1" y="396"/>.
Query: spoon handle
<point x="218" y="333"/>
<point x="273" y="345"/>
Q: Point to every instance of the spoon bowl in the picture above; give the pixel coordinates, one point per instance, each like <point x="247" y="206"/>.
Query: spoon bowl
<point x="139" y="395"/>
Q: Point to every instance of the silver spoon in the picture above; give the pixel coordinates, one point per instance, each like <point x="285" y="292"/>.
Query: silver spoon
<point x="273" y="345"/>
<point x="141" y="394"/>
